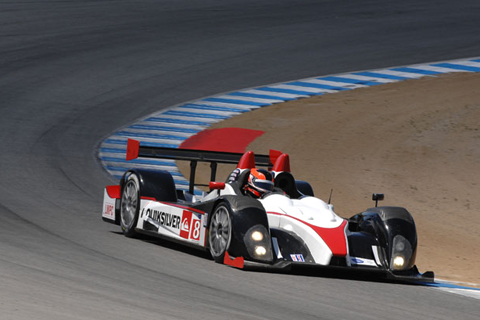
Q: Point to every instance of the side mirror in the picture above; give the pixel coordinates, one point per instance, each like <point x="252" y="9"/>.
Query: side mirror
<point x="377" y="197"/>
<point x="216" y="185"/>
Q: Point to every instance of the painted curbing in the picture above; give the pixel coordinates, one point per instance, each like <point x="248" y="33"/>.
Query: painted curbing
<point x="172" y="126"/>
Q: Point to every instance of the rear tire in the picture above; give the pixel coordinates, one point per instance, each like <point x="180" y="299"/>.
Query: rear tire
<point x="130" y="205"/>
<point x="220" y="232"/>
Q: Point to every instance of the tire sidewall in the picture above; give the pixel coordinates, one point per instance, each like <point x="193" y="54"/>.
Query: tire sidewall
<point x="219" y="258"/>
<point x="129" y="230"/>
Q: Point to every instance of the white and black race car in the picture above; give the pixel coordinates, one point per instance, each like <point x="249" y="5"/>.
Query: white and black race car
<point x="285" y="227"/>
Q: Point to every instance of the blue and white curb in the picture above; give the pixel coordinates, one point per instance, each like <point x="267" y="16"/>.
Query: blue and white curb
<point x="456" y="288"/>
<point x="170" y="127"/>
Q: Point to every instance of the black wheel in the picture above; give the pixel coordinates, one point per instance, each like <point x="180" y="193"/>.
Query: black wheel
<point x="130" y="205"/>
<point x="220" y="232"/>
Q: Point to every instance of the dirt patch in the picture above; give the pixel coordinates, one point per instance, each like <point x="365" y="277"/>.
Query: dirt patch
<point x="417" y="141"/>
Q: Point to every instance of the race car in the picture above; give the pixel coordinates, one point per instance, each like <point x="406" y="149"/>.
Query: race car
<point x="285" y="227"/>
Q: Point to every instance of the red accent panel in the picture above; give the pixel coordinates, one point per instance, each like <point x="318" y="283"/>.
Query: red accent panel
<point x="224" y="139"/>
<point x="274" y="154"/>
<point x="236" y="263"/>
<point x="282" y="163"/>
<point x="216" y="185"/>
<point x="186" y="224"/>
<point x="247" y="161"/>
<point x="133" y="146"/>
<point x="148" y="198"/>
<point x="335" y="238"/>
<point x="114" y="192"/>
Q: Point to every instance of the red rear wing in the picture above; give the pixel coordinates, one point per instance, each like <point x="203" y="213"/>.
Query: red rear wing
<point x="135" y="150"/>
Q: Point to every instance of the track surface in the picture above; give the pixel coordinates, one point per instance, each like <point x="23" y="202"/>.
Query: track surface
<point x="73" y="71"/>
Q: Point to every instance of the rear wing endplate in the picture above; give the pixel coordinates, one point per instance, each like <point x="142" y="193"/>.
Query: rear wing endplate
<point x="135" y="150"/>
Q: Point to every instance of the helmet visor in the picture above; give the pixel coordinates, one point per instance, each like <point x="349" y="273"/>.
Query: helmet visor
<point x="262" y="185"/>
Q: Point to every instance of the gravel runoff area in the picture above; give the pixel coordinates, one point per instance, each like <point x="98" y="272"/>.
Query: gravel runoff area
<point x="417" y="141"/>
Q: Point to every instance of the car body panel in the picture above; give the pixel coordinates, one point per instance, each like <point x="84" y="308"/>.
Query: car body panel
<point x="180" y="223"/>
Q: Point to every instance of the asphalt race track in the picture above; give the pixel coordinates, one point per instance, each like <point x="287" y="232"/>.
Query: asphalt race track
<point x="71" y="72"/>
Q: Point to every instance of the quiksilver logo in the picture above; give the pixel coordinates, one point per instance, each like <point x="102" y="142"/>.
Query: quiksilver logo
<point x="164" y="218"/>
<point x="185" y="226"/>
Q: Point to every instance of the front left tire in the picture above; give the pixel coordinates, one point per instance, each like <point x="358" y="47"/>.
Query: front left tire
<point x="220" y="232"/>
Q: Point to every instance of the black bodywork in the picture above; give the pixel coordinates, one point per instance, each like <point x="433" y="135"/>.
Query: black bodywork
<point x="392" y="230"/>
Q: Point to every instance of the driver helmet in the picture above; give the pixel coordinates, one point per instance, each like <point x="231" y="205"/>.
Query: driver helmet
<point x="260" y="181"/>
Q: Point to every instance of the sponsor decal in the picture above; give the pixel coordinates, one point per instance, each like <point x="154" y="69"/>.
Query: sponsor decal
<point x="357" y="260"/>
<point x="160" y="218"/>
<point x="186" y="222"/>
<point x="190" y="227"/>
<point x="297" y="257"/>
<point x="109" y="210"/>
<point x="362" y="261"/>
<point x="234" y="175"/>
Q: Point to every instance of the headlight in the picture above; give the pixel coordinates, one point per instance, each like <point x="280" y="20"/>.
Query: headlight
<point x="260" y="251"/>
<point x="401" y="253"/>
<point x="398" y="262"/>
<point x="257" y="236"/>
<point x="258" y="244"/>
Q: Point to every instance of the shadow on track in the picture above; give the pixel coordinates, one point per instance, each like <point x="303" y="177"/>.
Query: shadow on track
<point x="343" y="273"/>
<point x="169" y="244"/>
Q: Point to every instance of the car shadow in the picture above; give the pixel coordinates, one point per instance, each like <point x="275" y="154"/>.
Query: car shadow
<point x="172" y="245"/>
<point x="343" y="273"/>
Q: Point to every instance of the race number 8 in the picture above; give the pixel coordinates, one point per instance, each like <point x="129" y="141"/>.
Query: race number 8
<point x="196" y="230"/>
